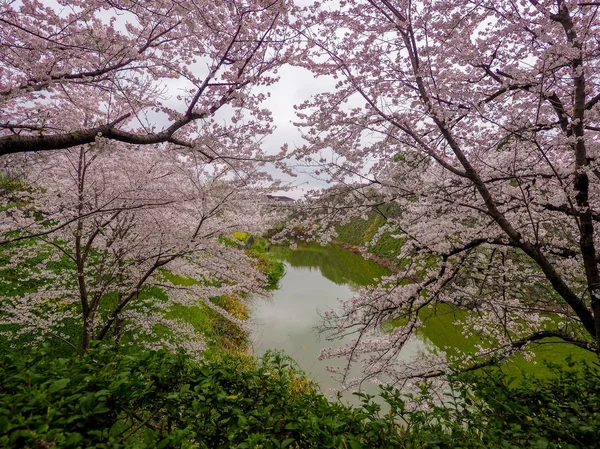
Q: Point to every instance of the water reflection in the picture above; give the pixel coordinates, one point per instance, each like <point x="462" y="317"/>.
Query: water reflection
<point x="316" y="279"/>
<point x="340" y="266"/>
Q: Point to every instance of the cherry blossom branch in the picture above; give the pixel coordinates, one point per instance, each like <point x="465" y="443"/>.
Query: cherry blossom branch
<point x="80" y="217"/>
<point x="158" y="47"/>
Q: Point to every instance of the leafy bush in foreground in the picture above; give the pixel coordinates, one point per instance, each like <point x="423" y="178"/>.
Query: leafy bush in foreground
<point x="157" y="400"/>
<point x="490" y="410"/>
<point x="149" y="399"/>
<point x="560" y="412"/>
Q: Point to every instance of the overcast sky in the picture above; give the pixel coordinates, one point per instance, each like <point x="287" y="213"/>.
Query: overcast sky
<point x="295" y="86"/>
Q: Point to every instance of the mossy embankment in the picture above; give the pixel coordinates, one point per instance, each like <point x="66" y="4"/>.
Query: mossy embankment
<point x="220" y="333"/>
<point x="359" y="232"/>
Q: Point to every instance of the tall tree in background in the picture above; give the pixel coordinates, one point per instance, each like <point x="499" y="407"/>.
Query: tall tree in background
<point x="104" y="241"/>
<point x="481" y="121"/>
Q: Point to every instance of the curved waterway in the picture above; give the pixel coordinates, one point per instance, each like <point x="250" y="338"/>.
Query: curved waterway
<point x="316" y="279"/>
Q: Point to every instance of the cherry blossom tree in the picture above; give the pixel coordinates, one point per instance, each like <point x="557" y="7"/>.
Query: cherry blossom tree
<point x="103" y="236"/>
<point x="480" y="122"/>
<point x="137" y="72"/>
<point x="149" y="119"/>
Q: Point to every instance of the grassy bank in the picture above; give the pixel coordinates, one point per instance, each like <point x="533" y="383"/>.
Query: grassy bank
<point x="439" y="329"/>
<point x="219" y="333"/>
<point x="359" y="232"/>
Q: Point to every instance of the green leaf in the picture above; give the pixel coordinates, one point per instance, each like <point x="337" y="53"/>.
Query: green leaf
<point x="542" y="444"/>
<point x="73" y="439"/>
<point x="117" y="428"/>
<point x="87" y="402"/>
<point x="3" y="424"/>
<point x="58" y="385"/>
<point x="355" y="444"/>
<point x="285" y="443"/>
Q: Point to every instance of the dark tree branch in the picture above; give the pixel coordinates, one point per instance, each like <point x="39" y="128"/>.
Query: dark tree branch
<point x="593" y="101"/>
<point x="568" y="211"/>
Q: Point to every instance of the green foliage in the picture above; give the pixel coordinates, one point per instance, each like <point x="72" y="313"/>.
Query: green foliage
<point x="157" y="400"/>
<point x="144" y="399"/>
<point x="561" y="411"/>
<point x="494" y="411"/>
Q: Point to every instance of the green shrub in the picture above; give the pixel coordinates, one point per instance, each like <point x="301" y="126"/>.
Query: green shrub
<point x="561" y="411"/>
<point x="491" y="410"/>
<point x="145" y="399"/>
<point x="156" y="400"/>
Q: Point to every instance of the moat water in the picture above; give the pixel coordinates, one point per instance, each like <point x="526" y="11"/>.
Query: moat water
<point x="316" y="279"/>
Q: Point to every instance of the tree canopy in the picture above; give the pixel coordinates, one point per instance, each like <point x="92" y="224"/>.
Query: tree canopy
<point x="130" y="135"/>
<point x="75" y="70"/>
<point x="136" y="128"/>
<point x="479" y="122"/>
